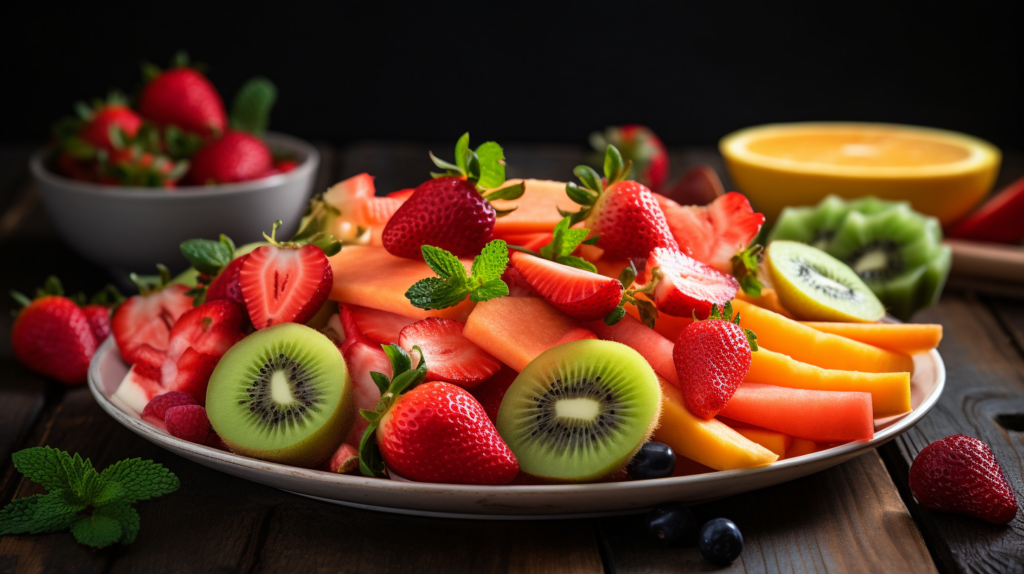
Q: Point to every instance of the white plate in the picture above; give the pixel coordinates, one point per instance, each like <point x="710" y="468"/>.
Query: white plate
<point x="510" y="502"/>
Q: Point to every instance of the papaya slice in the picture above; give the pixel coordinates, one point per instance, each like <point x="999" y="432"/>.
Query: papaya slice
<point x="821" y="416"/>
<point x="909" y="338"/>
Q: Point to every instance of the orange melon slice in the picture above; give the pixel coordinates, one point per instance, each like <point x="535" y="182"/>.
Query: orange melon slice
<point x="538" y="207"/>
<point x="515" y="330"/>
<point x="372" y="277"/>
<point x="906" y="338"/>
<point x="811" y="346"/>
<point x="772" y="440"/>
<point x="708" y="442"/>
<point x="821" y="416"/>
<point x="802" y="446"/>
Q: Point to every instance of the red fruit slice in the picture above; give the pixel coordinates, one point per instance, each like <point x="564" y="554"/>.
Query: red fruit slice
<point x="649" y="343"/>
<point x="352" y="333"/>
<point x="450" y="356"/>
<point x="713" y="233"/>
<point x="531" y="241"/>
<point x="688" y="286"/>
<point x="160" y="403"/>
<point x="700" y="185"/>
<point x="344" y="460"/>
<point x="820" y="416"/>
<point x="363" y="359"/>
<point x="192" y="374"/>
<point x="226" y="285"/>
<point x="197" y="341"/>
<point x="147" y="319"/>
<point x="998" y="219"/>
<point x="402" y="194"/>
<point x="378" y="327"/>
<point x="99" y="321"/>
<point x="578" y="293"/>
<point x="188" y="422"/>
<point x="149" y="361"/>
<point x="283" y="285"/>
<point x="491" y="392"/>
<point x="137" y="390"/>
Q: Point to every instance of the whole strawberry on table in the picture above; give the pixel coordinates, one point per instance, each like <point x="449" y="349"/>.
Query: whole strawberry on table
<point x="179" y="132"/>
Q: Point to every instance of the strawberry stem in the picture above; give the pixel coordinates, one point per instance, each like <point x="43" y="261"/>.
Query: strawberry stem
<point x="648" y="312"/>
<point x="403" y="379"/>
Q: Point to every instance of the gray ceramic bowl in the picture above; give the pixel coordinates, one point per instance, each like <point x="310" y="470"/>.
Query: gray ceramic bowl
<point x="133" y="228"/>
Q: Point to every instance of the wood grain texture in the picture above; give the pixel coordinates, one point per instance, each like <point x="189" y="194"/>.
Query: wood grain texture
<point x="847" y="519"/>
<point x="984" y="382"/>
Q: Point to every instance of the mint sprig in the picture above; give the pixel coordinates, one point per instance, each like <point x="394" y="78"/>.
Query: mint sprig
<point x="207" y="255"/>
<point x="452" y="285"/>
<point x="96" y="506"/>
<point x="484" y="166"/>
<point x="403" y="378"/>
<point x="744" y="268"/>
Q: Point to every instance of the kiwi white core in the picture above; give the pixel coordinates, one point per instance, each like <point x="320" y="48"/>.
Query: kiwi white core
<point x="280" y="390"/>
<point x="582" y="409"/>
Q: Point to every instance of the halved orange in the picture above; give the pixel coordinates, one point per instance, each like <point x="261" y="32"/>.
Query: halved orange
<point x="941" y="173"/>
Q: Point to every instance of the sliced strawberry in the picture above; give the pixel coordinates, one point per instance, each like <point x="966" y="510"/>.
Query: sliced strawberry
<point x="363" y="359"/>
<point x="147" y="319"/>
<point x="687" y="286"/>
<point x="402" y="194"/>
<point x="517" y="285"/>
<point x="226" y="285"/>
<point x="713" y="233"/>
<point x="377" y="327"/>
<point x="351" y="330"/>
<point x="998" y="219"/>
<point x="149" y="361"/>
<point x="491" y="392"/>
<point x="578" y="293"/>
<point x="192" y="374"/>
<point x="197" y="341"/>
<point x="283" y="284"/>
<point x="450" y="356"/>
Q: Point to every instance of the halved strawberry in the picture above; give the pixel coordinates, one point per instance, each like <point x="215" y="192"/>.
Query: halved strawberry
<point x="192" y="374"/>
<point x="578" y="293"/>
<point x="363" y="359"/>
<point x="149" y="361"/>
<point x="450" y="356"/>
<point x="147" y="319"/>
<point x="284" y="283"/>
<point x="196" y="343"/>
<point x="491" y="392"/>
<point x="687" y="286"/>
<point x="226" y="284"/>
<point x="713" y="233"/>
<point x="378" y="327"/>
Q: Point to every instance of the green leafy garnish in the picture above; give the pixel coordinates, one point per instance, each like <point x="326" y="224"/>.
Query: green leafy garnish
<point x="744" y="268"/>
<point x="725" y="314"/>
<point x="484" y="166"/>
<point x="96" y="506"/>
<point x="648" y="312"/>
<point x="564" y="241"/>
<point x="150" y="283"/>
<point x="452" y="284"/>
<point x="615" y="170"/>
<point x="403" y="378"/>
<point x="209" y="256"/>
<point x="306" y="236"/>
<point x="250" y="111"/>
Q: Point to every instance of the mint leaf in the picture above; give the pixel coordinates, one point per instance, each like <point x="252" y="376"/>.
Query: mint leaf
<point x="578" y="263"/>
<point x="492" y="165"/>
<point x="43" y="465"/>
<point x="436" y="293"/>
<point x="126" y="516"/>
<point x="39" y="513"/>
<point x="452" y="286"/>
<point x="250" y="111"/>
<point x="206" y="255"/>
<point x="443" y="263"/>
<point x="491" y="262"/>
<point x="76" y="470"/>
<point x="490" y="290"/>
<point x="141" y="479"/>
<point x="96" y="530"/>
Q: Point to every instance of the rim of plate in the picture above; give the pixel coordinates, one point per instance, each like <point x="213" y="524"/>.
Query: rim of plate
<point x="163" y="439"/>
<point x="734" y="147"/>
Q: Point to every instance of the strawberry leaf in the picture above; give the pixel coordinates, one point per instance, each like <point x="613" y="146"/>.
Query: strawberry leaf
<point x="371" y="463"/>
<point x="589" y="178"/>
<point x="250" y="112"/>
<point x="514" y="191"/>
<point x="744" y="268"/>
<point x="615" y="316"/>
<point x="580" y="195"/>
<point x="627" y="276"/>
<point x="381" y="380"/>
<point x="461" y="152"/>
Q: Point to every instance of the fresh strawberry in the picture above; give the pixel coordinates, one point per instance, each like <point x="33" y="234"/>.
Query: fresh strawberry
<point x="147" y="318"/>
<point x="451" y="211"/>
<point x="132" y="166"/>
<point x="99" y="321"/>
<point x="233" y="157"/>
<point x="639" y="145"/>
<point x="188" y="422"/>
<point x="285" y="165"/>
<point x="160" y="403"/>
<point x="491" y="392"/>
<point x="578" y="293"/>
<point x="226" y="284"/>
<point x="402" y="194"/>
<point x="183" y="97"/>
<point x="712" y="357"/>
<point x="450" y="356"/>
<point x="363" y="359"/>
<point x="102" y="127"/>
<point x="192" y="373"/>
<point x="286" y="282"/>
<point x="197" y="341"/>
<point x="377" y="327"/>
<point x="714" y="233"/>
<point x="52" y="335"/>
<point x="960" y="474"/>
<point x="687" y="287"/>
<point x="435" y="432"/>
<point x="106" y="118"/>
<point x="998" y="219"/>
<point x="623" y="214"/>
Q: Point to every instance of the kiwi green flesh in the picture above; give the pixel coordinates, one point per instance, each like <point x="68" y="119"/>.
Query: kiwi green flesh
<point x="580" y="410"/>
<point x="282" y="394"/>
<point x="818" y="287"/>
<point x="818" y="225"/>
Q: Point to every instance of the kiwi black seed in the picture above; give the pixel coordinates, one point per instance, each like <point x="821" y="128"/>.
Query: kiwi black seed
<point x="282" y="394"/>
<point x="580" y="410"/>
<point x="815" y="286"/>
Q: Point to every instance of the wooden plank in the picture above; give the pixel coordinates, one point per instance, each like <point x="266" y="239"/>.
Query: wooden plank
<point x="984" y="384"/>
<point x="847" y="519"/>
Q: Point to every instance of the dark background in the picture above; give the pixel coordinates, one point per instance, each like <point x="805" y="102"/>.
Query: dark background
<point x="548" y="71"/>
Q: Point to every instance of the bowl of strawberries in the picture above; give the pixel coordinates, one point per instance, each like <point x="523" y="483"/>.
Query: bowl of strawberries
<point x="125" y="182"/>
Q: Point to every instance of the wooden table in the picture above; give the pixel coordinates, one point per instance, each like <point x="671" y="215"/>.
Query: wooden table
<point x="857" y="517"/>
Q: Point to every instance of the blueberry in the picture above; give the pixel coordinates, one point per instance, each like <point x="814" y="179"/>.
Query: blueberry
<point x="720" y="541"/>
<point x="653" y="460"/>
<point x="672" y="524"/>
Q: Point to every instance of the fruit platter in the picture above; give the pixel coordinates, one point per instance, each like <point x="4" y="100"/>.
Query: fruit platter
<point x="483" y="347"/>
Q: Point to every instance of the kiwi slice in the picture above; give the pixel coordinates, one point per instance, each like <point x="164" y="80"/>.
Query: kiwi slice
<point x="580" y="410"/>
<point x="282" y="394"/>
<point x="899" y="255"/>
<point x="815" y="286"/>
<point x="818" y="225"/>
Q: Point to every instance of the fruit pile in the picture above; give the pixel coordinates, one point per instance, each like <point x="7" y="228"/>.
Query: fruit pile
<point x="179" y="132"/>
